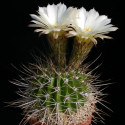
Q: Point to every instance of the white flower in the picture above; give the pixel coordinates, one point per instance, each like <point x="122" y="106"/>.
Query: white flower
<point x="52" y="18"/>
<point x="90" y="25"/>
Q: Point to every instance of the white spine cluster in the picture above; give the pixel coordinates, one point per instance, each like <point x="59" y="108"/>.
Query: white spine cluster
<point x="34" y="104"/>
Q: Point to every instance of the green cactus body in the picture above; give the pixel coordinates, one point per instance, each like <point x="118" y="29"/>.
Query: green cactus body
<point x="57" y="97"/>
<point x="62" y="89"/>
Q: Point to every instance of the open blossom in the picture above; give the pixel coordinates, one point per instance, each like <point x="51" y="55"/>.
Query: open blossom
<point x="52" y="18"/>
<point x="60" y="22"/>
<point x="90" y="25"/>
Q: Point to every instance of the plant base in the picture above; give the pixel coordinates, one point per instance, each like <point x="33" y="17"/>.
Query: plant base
<point x="33" y="121"/>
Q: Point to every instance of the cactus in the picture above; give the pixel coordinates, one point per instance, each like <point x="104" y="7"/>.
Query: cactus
<point x="63" y="92"/>
<point x="57" y="97"/>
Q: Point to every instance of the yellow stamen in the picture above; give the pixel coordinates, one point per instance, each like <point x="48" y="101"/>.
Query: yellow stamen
<point x="55" y="25"/>
<point x="87" y="29"/>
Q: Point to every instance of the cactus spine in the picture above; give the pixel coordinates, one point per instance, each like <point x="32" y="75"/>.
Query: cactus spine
<point x="59" y="93"/>
<point x="57" y="97"/>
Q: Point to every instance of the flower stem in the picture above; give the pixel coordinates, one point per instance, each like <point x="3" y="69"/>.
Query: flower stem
<point x="81" y="48"/>
<point x="58" y="46"/>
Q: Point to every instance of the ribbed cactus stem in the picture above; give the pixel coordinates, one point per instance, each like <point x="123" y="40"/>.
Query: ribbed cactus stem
<point x="81" y="48"/>
<point x="63" y="90"/>
<point x="58" y="98"/>
<point x="58" y="44"/>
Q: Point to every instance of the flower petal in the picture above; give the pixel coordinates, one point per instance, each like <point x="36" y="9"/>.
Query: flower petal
<point x="61" y="11"/>
<point x="52" y="14"/>
<point x="91" y="18"/>
<point x="81" y="17"/>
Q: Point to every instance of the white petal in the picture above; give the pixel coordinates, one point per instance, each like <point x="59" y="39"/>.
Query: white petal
<point x="35" y="17"/>
<point x="61" y="11"/>
<point x="67" y="17"/>
<point x="94" y="41"/>
<point x="73" y="33"/>
<point x="101" y="18"/>
<point x="81" y="17"/>
<point x="38" y="23"/>
<point x="102" y="36"/>
<point x="52" y="14"/>
<point x="38" y="20"/>
<point x="92" y="15"/>
<point x="104" y="29"/>
<point x="43" y="15"/>
<point x="101" y="24"/>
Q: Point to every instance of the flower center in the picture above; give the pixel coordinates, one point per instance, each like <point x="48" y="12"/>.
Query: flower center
<point x="87" y="29"/>
<point x="55" y="25"/>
